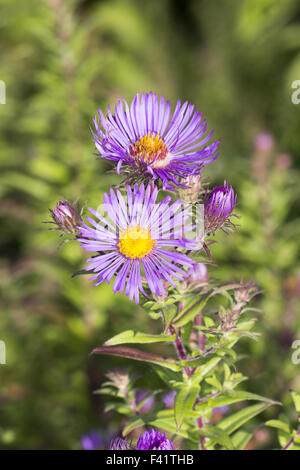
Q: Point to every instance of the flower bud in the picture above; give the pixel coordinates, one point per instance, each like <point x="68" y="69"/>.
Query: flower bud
<point x="66" y="217"/>
<point x="218" y="207"/>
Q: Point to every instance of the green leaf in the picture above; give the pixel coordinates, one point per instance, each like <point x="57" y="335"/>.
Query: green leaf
<point x="184" y="401"/>
<point x="166" y="375"/>
<point x="227" y="398"/>
<point x="131" y="353"/>
<point x="276" y="423"/>
<point x="296" y="400"/>
<point x="168" y="313"/>
<point x="189" y="313"/>
<point x="217" y="436"/>
<point x="129" y="336"/>
<point x="163" y="419"/>
<point x="205" y="368"/>
<point x="235" y="421"/>
<point x="240" y="439"/>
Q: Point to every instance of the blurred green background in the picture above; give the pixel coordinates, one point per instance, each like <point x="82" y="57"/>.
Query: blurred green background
<point x="60" y="61"/>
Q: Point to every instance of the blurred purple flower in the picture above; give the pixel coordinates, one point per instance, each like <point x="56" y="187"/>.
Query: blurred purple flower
<point x="169" y="399"/>
<point x="263" y="142"/>
<point x="148" y="404"/>
<point x="197" y="273"/>
<point x="92" y="441"/>
<point x="218" y="207"/>
<point x="220" y="410"/>
<point x="153" y="440"/>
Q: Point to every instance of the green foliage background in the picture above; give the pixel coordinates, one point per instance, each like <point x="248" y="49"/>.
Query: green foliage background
<point x="61" y="60"/>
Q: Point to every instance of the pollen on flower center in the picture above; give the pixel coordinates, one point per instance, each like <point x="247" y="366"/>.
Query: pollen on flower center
<point x="135" y="242"/>
<point x="151" y="149"/>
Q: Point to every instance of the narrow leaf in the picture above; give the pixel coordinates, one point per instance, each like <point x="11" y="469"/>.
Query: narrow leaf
<point x="184" y="401"/>
<point x="240" y="439"/>
<point x="131" y="353"/>
<point x="235" y="421"/>
<point x="129" y="336"/>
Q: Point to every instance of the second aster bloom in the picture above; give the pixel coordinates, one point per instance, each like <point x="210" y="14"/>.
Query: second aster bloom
<point x="150" y="143"/>
<point x="132" y="241"/>
<point x="218" y="207"/>
<point x="153" y="440"/>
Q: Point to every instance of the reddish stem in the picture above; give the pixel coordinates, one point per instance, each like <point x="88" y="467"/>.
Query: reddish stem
<point x="180" y="348"/>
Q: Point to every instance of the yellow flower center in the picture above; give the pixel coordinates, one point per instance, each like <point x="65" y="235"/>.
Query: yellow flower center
<point x="136" y="242"/>
<point x="152" y="150"/>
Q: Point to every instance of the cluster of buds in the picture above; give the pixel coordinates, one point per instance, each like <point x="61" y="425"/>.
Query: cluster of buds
<point x="242" y="296"/>
<point x="218" y="207"/>
<point x="67" y="218"/>
<point x="119" y="379"/>
<point x="191" y="190"/>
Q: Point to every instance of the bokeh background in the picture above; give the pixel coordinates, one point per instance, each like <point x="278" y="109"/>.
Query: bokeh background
<point x="61" y="60"/>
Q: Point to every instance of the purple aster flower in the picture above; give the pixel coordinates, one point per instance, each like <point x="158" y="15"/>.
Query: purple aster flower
<point x="150" y="143"/>
<point x="153" y="440"/>
<point x="92" y="441"/>
<point x="131" y="241"/>
<point x="146" y="401"/>
<point x="66" y="217"/>
<point x="218" y="207"/>
<point x="119" y="444"/>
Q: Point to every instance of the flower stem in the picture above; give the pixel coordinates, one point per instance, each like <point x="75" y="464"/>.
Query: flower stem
<point x="180" y="348"/>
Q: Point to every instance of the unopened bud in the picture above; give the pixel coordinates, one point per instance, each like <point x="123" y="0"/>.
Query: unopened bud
<point x="218" y="207"/>
<point x="66" y="217"/>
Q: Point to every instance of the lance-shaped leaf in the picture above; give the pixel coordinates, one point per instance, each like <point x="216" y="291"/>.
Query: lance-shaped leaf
<point x="216" y="436"/>
<point x="228" y="398"/>
<point x="235" y="421"/>
<point x="296" y="400"/>
<point x="131" y="353"/>
<point x="189" y="313"/>
<point x="163" y="420"/>
<point x="240" y="439"/>
<point x="129" y="336"/>
<point x="184" y="401"/>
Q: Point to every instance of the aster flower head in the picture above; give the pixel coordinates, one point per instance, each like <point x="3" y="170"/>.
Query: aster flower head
<point x="218" y="207"/>
<point x="119" y="444"/>
<point x="133" y="238"/>
<point x="66" y="217"/>
<point x="149" y="143"/>
<point x="153" y="440"/>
